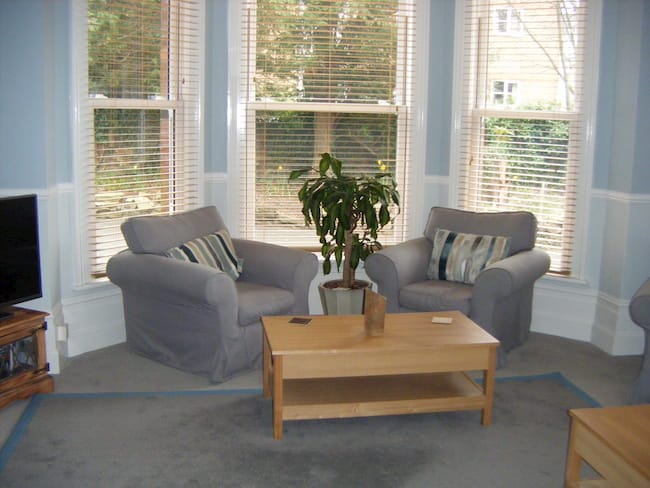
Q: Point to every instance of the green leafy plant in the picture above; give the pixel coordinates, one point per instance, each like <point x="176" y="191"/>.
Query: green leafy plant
<point x="347" y="211"/>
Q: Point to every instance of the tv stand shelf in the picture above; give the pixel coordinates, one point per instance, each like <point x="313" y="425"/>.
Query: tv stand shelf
<point x="23" y="366"/>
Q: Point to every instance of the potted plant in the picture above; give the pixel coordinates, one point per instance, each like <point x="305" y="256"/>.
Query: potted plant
<point x="348" y="212"/>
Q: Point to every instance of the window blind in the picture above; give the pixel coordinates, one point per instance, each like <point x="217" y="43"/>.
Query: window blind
<point x="521" y="119"/>
<point x="140" y="116"/>
<point x="322" y="76"/>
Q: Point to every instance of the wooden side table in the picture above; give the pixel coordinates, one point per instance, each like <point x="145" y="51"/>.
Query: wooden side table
<point x="23" y="365"/>
<point x="615" y="441"/>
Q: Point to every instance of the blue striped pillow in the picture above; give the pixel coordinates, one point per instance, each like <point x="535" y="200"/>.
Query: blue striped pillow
<point x="461" y="257"/>
<point x="215" y="250"/>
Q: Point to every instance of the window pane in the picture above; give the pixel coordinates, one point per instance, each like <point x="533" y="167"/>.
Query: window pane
<point x="545" y="56"/>
<point x="288" y="140"/>
<point x="132" y="160"/>
<point x="126" y="48"/>
<point x="525" y="166"/>
<point x="133" y="173"/>
<point x="326" y="51"/>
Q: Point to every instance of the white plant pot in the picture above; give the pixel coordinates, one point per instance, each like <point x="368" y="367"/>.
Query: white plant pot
<point x="342" y="301"/>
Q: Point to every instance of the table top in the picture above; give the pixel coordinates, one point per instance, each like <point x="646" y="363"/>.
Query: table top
<point x="346" y="333"/>
<point x="625" y="430"/>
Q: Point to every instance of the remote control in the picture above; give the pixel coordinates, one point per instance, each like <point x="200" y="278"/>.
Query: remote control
<point x="441" y="320"/>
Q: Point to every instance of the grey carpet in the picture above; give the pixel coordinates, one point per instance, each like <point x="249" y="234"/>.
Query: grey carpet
<point x="224" y="439"/>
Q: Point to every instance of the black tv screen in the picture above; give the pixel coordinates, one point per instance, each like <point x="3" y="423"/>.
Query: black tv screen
<point x="20" y="268"/>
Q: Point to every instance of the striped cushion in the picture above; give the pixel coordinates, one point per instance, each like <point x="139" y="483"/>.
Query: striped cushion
<point x="461" y="257"/>
<point x="215" y="250"/>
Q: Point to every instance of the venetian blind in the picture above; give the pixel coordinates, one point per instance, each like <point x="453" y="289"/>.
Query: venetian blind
<point x="141" y="138"/>
<point x="521" y="117"/>
<point x="322" y="76"/>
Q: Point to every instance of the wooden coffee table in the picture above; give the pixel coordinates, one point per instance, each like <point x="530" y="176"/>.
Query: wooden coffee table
<point x="331" y="369"/>
<point x="615" y="441"/>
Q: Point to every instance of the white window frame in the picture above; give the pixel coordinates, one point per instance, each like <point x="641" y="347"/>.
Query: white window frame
<point x="81" y="114"/>
<point x="587" y="143"/>
<point x="237" y="114"/>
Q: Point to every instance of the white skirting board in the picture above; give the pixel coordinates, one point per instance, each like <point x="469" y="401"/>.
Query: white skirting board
<point x="92" y="322"/>
<point x="586" y="316"/>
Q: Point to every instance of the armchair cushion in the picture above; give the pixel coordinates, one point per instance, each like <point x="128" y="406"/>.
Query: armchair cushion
<point x="521" y="227"/>
<point x="257" y="300"/>
<point x="436" y="295"/>
<point x="215" y="250"/>
<point x="156" y="233"/>
<point x="457" y="256"/>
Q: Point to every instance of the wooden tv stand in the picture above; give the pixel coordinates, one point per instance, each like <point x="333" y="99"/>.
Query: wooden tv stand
<point x="23" y="366"/>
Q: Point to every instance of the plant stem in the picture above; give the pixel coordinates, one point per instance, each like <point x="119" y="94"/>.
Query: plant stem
<point x="348" y="272"/>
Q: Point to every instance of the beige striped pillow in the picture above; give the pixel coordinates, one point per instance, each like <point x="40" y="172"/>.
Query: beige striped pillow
<point x="461" y="257"/>
<point x="215" y="250"/>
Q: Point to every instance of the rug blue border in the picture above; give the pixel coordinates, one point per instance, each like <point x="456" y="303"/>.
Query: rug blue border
<point x="13" y="440"/>
<point x="554" y="376"/>
<point x="21" y="426"/>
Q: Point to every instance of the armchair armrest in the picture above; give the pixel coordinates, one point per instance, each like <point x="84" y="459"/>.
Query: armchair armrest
<point x="396" y="266"/>
<point x="270" y="264"/>
<point x="640" y="306"/>
<point x="171" y="279"/>
<point x="281" y="266"/>
<point x="511" y="274"/>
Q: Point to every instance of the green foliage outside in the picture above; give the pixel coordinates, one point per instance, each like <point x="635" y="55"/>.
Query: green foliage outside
<point x="525" y="143"/>
<point x="124" y="49"/>
<point x="124" y="160"/>
<point x="321" y="51"/>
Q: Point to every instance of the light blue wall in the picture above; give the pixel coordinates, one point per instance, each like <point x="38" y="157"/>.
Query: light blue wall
<point x="441" y="57"/>
<point x="627" y="110"/>
<point x="607" y="92"/>
<point x="641" y="171"/>
<point x="216" y="87"/>
<point x="23" y="129"/>
<point x="623" y="150"/>
<point x="59" y="91"/>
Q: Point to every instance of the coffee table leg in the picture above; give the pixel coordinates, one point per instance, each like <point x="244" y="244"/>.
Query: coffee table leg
<point x="573" y="459"/>
<point x="266" y="370"/>
<point x="277" y="397"/>
<point x="488" y="387"/>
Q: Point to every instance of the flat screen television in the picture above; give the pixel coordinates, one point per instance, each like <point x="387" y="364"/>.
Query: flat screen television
<point x="20" y="265"/>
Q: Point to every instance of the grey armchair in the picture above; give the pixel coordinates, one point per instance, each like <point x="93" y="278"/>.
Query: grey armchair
<point x="197" y="318"/>
<point x="499" y="300"/>
<point x="640" y="315"/>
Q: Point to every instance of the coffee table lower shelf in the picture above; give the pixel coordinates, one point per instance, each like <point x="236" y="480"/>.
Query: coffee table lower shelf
<point x="380" y="395"/>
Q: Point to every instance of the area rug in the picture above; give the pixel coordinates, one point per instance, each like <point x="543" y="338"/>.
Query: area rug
<point x="224" y="439"/>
